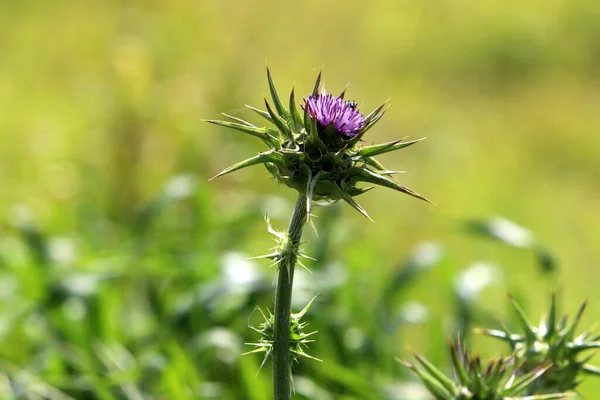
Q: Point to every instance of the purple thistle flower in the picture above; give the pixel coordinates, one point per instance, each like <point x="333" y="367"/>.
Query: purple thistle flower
<point x="330" y="110"/>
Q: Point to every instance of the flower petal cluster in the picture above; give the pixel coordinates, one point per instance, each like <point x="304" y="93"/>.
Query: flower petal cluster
<point x="320" y="152"/>
<point x="329" y="110"/>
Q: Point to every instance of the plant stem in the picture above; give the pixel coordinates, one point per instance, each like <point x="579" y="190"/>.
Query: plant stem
<point x="282" y="380"/>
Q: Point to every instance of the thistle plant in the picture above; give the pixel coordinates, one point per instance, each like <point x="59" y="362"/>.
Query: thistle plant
<point x="501" y="379"/>
<point x="551" y="342"/>
<point x="317" y="149"/>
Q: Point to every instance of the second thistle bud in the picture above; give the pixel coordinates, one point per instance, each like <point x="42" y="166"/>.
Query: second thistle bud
<point x="552" y="342"/>
<point x="500" y="379"/>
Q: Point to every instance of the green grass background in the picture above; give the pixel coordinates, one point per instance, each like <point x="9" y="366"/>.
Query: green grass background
<point x="112" y="287"/>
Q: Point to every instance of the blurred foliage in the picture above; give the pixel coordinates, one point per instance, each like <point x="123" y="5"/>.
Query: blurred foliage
<point x="123" y="273"/>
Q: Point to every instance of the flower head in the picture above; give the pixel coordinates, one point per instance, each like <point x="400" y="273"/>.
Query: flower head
<point x="342" y="115"/>
<point x="319" y="153"/>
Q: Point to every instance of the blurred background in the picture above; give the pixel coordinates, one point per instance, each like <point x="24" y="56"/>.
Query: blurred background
<point x="124" y="272"/>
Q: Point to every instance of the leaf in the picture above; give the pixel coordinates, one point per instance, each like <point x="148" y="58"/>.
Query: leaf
<point x="358" y="191"/>
<point x="279" y="122"/>
<point x="238" y="120"/>
<point x="262" y="113"/>
<point x="278" y="106"/>
<point x="312" y="182"/>
<point x="348" y="199"/>
<point x="526" y="380"/>
<point x="295" y="115"/>
<point x="260" y="133"/>
<point x="436" y="373"/>
<point x="373" y="163"/>
<point x="266" y="157"/>
<point x="526" y="325"/>
<point x="366" y="175"/>
<point x="317" y="84"/>
<point x="376" y="149"/>
<point x="434" y="387"/>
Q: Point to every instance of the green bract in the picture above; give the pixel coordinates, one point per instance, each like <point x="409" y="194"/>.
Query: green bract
<point x="499" y="380"/>
<point x="298" y="338"/>
<point x="312" y="159"/>
<point x="552" y="342"/>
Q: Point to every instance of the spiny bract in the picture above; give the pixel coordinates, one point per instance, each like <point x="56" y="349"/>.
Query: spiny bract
<point x="499" y="380"/>
<point x="319" y="153"/>
<point x="298" y="338"/>
<point x="552" y="342"/>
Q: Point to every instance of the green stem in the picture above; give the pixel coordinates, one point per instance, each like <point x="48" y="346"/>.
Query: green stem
<point x="282" y="379"/>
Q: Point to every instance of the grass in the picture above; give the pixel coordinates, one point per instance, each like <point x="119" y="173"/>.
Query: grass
<point x="115" y="287"/>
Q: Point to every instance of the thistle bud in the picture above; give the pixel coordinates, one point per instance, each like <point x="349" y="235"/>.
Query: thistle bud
<point x="552" y="342"/>
<point x="319" y="151"/>
<point x="500" y="379"/>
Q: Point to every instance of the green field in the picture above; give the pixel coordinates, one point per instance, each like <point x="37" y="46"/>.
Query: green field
<point x="124" y="272"/>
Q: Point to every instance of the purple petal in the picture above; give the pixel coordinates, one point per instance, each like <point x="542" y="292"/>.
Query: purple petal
<point x="327" y="109"/>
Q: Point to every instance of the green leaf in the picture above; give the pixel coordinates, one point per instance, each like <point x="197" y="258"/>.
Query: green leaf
<point x="260" y="133"/>
<point x="551" y="319"/>
<point x="278" y="106"/>
<point x="436" y="373"/>
<point x="377" y="149"/>
<point x="457" y="362"/>
<point x="366" y="175"/>
<point x="591" y="370"/>
<point x="373" y="163"/>
<point x="576" y="348"/>
<point x="495" y="334"/>
<point x="317" y="84"/>
<point x="301" y="313"/>
<point x="307" y="120"/>
<point x="527" y="326"/>
<point x="374" y="113"/>
<point x="279" y="122"/>
<point x="296" y="117"/>
<point x="262" y="113"/>
<point x="348" y="199"/>
<point x="312" y="182"/>
<point x="434" y="387"/>
<point x="571" y="331"/>
<point x="526" y="380"/>
<point x="266" y="157"/>
<point x="313" y="141"/>
<point x="358" y="191"/>
<point x="238" y="120"/>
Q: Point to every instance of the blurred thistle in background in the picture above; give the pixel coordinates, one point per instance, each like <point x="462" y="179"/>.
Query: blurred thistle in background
<point x="123" y="273"/>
